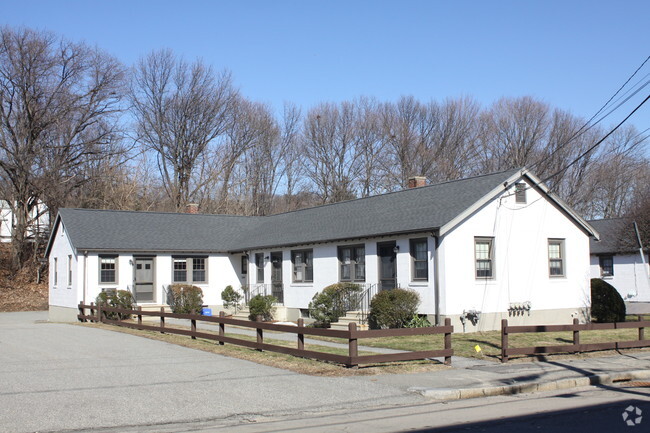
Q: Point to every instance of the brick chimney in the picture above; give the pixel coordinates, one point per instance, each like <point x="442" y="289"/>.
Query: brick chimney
<point x="192" y="208"/>
<point x="417" y="181"/>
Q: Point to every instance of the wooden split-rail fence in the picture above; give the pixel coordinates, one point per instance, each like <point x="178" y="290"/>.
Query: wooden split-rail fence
<point x="99" y="313"/>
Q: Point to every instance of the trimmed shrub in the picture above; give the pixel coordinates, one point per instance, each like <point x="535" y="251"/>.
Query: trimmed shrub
<point x="333" y="302"/>
<point x="231" y="298"/>
<point x="261" y="306"/>
<point x="185" y="299"/>
<point x="116" y="299"/>
<point x="393" y="308"/>
<point x="606" y="303"/>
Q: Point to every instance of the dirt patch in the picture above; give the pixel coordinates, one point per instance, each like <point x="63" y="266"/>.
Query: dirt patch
<point x="19" y="291"/>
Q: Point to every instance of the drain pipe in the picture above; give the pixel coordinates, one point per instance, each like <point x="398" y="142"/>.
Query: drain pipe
<point x="85" y="282"/>
<point x="436" y="278"/>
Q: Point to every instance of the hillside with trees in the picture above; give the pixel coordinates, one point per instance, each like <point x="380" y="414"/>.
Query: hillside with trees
<point x="81" y="129"/>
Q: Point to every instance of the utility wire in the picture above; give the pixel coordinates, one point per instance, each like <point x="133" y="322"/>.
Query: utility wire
<point x="598" y="142"/>
<point x="580" y="130"/>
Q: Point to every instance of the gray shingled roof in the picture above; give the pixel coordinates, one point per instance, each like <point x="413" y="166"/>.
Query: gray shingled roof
<point x="616" y="236"/>
<point x="91" y="229"/>
<point x="411" y="210"/>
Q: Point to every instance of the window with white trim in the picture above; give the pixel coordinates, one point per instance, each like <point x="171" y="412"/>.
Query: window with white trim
<point x="107" y="269"/>
<point x="419" y="259"/>
<point x="484" y="257"/>
<point x="56" y="271"/>
<point x="556" y="257"/>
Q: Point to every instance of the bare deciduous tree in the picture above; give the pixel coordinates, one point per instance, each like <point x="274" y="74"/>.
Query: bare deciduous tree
<point x="58" y="107"/>
<point x="181" y="110"/>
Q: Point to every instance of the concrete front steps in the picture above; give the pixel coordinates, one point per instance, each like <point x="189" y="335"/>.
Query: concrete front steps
<point x="350" y="316"/>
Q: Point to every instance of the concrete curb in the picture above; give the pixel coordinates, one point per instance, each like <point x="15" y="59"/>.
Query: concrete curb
<point x="518" y="388"/>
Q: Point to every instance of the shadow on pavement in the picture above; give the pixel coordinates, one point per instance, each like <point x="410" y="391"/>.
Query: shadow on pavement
<point x="612" y="417"/>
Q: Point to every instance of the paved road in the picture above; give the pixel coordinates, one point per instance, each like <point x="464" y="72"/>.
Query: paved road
<point x="57" y="377"/>
<point x="582" y="410"/>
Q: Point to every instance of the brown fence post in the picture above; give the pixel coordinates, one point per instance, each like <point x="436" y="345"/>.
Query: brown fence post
<point x="504" y="340"/>
<point x="641" y="330"/>
<point x="99" y="313"/>
<point x="92" y="311"/>
<point x="222" y="327"/>
<point x="260" y="334"/>
<point x="301" y="337"/>
<point x="139" y="315"/>
<point x="576" y="333"/>
<point x="162" y="320"/>
<point x="193" y="325"/>
<point x="447" y="341"/>
<point x="81" y="312"/>
<point x="353" y="345"/>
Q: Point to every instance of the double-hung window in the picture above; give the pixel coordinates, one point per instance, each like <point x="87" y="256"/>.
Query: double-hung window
<point x="484" y="257"/>
<point x="352" y="263"/>
<point x="107" y="269"/>
<point x="303" y="266"/>
<point x="191" y="270"/>
<point x="69" y="271"/>
<point x="556" y="257"/>
<point x="259" y="266"/>
<point x="419" y="260"/>
<point x="244" y="265"/>
<point x="606" y="266"/>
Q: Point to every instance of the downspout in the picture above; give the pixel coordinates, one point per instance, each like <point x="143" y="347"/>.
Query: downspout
<point x="645" y="268"/>
<point x="85" y="282"/>
<point x="436" y="279"/>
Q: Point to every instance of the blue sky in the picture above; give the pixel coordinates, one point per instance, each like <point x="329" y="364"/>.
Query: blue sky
<point x="571" y="54"/>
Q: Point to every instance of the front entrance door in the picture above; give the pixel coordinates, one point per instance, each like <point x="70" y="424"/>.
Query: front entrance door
<point x="387" y="265"/>
<point x="276" y="277"/>
<point x="144" y="283"/>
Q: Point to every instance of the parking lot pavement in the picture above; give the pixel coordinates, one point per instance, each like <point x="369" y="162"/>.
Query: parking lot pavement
<point x="60" y="376"/>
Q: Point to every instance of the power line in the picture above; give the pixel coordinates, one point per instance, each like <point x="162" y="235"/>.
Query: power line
<point x="598" y="142"/>
<point x="580" y="130"/>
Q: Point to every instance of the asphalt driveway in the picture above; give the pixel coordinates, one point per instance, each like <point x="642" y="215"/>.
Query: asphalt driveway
<point x="57" y="377"/>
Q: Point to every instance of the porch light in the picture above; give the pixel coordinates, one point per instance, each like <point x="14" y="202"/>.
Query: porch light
<point x="267" y="258"/>
<point x="396" y="249"/>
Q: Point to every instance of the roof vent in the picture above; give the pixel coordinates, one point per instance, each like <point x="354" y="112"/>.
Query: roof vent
<point x="417" y="181"/>
<point x="192" y="208"/>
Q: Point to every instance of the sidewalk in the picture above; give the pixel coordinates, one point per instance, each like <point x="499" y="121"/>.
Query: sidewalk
<point x="482" y="380"/>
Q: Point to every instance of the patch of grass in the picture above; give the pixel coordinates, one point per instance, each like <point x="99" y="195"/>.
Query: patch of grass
<point x="279" y="360"/>
<point x="490" y="341"/>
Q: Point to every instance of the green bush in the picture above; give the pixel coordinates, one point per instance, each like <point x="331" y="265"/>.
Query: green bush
<point x="418" y="321"/>
<point x="116" y="299"/>
<point x="333" y="302"/>
<point x="393" y="308"/>
<point x="606" y="303"/>
<point x="231" y="298"/>
<point x="261" y="306"/>
<point x="185" y="299"/>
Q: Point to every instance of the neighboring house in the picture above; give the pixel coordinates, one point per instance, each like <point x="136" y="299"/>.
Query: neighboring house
<point x="39" y="216"/>
<point x="487" y="247"/>
<point x="616" y="259"/>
